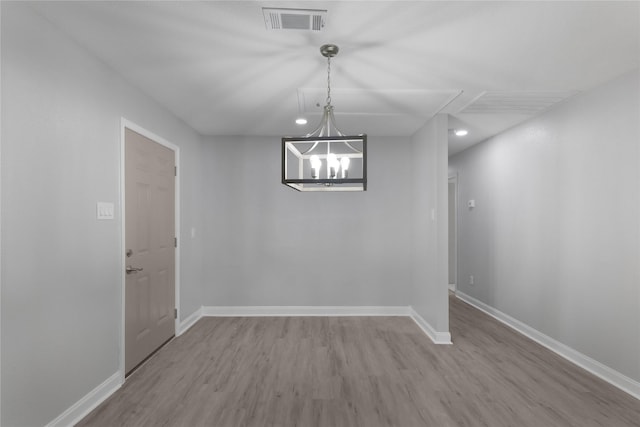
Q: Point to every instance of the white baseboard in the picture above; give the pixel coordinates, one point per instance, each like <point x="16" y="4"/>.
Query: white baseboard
<point x="92" y="399"/>
<point x="604" y="372"/>
<point x="189" y="322"/>
<point x="88" y="403"/>
<point x="436" y="337"/>
<point x="273" y="311"/>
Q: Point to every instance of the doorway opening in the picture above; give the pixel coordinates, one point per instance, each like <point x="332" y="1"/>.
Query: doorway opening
<point x="453" y="232"/>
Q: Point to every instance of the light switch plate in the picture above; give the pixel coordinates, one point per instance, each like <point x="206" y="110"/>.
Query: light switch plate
<point x="104" y="210"/>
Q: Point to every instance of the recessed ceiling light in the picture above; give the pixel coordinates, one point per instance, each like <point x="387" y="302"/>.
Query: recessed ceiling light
<point x="461" y="132"/>
<point x="301" y="121"/>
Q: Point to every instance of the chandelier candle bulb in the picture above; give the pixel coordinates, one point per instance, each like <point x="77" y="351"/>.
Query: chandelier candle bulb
<point x="344" y="163"/>
<point x="316" y="164"/>
<point x="333" y="165"/>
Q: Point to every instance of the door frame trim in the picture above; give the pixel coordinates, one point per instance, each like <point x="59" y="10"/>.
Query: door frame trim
<point x="453" y="179"/>
<point x="127" y="124"/>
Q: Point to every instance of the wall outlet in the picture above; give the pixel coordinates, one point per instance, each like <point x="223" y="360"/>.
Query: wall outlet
<point x="471" y="279"/>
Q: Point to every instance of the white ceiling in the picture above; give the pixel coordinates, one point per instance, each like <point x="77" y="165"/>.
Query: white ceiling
<point x="215" y="65"/>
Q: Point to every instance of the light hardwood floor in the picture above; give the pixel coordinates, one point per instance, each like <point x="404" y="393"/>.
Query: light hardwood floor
<point x="361" y="371"/>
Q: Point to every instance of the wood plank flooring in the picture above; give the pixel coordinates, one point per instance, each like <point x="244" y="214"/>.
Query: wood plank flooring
<point x="361" y="371"/>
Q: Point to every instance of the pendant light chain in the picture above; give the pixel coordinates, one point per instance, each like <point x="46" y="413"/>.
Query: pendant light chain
<point x="328" y="80"/>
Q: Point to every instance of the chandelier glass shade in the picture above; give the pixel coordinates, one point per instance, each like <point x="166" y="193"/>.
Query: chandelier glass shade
<point x="325" y="159"/>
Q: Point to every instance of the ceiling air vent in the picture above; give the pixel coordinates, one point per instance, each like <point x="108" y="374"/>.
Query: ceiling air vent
<point x="517" y="102"/>
<point x="294" y="19"/>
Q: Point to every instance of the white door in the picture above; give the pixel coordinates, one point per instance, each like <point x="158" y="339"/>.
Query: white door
<point x="150" y="247"/>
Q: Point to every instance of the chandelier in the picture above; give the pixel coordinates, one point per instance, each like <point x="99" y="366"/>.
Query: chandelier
<point x="325" y="159"/>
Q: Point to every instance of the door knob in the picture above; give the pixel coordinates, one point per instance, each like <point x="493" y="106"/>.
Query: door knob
<point x="131" y="269"/>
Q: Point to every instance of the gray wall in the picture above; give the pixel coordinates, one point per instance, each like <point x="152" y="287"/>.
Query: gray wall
<point x="554" y="239"/>
<point x="429" y="296"/>
<point x="268" y="244"/>
<point x="61" y="275"/>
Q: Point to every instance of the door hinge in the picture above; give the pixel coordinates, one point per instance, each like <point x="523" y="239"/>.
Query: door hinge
<point x="175" y="242"/>
<point x="175" y="313"/>
<point x="175" y="171"/>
